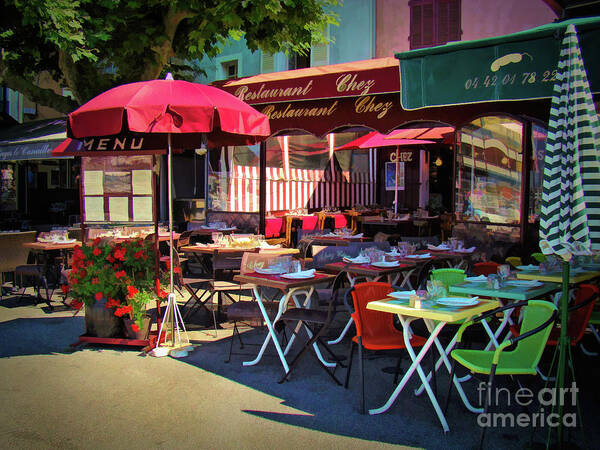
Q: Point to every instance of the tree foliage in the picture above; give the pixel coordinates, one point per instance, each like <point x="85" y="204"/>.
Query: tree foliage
<point x="92" y="45"/>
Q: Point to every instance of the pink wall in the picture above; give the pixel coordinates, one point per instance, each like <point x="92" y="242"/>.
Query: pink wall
<point x="479" y="18"/>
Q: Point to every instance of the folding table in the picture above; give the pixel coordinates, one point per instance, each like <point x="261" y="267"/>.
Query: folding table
<point x="507" y="292"/>
<point x="435" y="317"/>
<point x="370" y="273"/>
<point x="291" y="289"/>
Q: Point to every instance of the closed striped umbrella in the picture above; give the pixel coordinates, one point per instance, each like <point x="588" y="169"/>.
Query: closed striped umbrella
<point x="570" y="216"/>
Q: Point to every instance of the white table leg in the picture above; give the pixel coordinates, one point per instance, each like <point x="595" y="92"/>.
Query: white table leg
<point x="416" y="365"/>
<point x="271" y="334"/>
<point x="444" y="358"/>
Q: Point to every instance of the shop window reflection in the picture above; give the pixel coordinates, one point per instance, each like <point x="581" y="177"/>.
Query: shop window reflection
<point x="489" y="164"/>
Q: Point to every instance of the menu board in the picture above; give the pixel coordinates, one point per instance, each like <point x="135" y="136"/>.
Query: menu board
<point x="93" y="208"/>
<point x="118" y="189"/>
<point x="142" y="209"/>
<point x="93" y="182"/>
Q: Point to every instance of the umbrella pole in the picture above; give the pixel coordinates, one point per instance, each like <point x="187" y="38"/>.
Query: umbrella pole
<point x="562" y="347"/>
<point x="170" y="209"/>
<point x="396" y="181"/>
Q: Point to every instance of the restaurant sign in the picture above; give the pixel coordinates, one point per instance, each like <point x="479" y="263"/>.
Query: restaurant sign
<point x="513" y="67"/>
<point x="362" y="78"/>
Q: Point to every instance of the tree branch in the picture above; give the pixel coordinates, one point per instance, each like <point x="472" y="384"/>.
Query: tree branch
<point x="46" y="97"/>
<point x="165" y="50"/>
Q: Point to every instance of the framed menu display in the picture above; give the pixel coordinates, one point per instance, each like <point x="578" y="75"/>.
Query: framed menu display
<point x="118" y="189"/>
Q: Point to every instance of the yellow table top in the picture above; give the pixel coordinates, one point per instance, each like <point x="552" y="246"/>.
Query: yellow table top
<point x="434" y="312"/>
<point x="556" y="277"/>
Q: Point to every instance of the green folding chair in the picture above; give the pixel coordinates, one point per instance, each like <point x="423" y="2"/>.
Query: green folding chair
<point x="449" y="277"/>
<point x="538" y="318"/>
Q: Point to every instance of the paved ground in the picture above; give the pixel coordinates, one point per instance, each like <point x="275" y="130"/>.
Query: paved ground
<point x="106" y="397"/>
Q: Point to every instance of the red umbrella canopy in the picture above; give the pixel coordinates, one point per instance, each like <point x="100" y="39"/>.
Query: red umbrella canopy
<point x="375" y="139"/>
<point x="161" y="107"/>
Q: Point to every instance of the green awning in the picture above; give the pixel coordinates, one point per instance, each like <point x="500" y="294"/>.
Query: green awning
<point x="512" y="67"/>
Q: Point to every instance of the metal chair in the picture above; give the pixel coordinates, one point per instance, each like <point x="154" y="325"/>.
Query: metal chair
<point x="375" y="330"/>
<point x="485" y="268"/>
<point x="248" y="311"/>
<point x="537" y="323"/>
<point x="317" y="322"/>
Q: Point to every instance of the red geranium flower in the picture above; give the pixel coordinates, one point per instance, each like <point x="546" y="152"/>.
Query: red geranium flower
<point x="119" y="254"/>
<point x="120" y="274"/>
<point x="64" y="288"/>
<point x="132" y="291"/>
<point x="110" y="259"/>
<point x="95" y="280"/>
<point x="138" y="255"/>
<point x="135" y="327"/>
<point x="123" y="310"/>
<point x="96" y="251"/>
<point x="112" y="303"/>
<point x="96" y="241"/>
<point x="99" y="296"/>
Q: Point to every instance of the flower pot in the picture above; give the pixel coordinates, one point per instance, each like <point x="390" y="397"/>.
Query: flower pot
<point x="102" y="322"/>
<point x="142" y="333"/>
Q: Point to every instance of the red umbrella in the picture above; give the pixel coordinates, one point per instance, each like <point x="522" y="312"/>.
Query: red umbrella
<point x="185" y="111"/>
<point x="375" y="139"/>
<point x="171" y="113"/>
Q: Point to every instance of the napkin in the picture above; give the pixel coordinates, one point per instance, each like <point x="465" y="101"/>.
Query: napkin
<point x="479" y="278"/>
<point x="402" y="294"/>
<point x="357" y="260"/>
<point x="439" y="247"/>
<point x="303" y="274"/>
<point x="420" y="255"/>
<point x="357" y="236"/>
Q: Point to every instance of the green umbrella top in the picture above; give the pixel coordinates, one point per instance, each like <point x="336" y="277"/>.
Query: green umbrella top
<point x="570" y="215"/>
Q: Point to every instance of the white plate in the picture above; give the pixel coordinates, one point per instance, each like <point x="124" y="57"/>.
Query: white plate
<point x="268" y="271"/>
<point x="402" y="295"/>
<point x="385" y="264"/>
<point x="298" y="276"/>
<point x="524" y="283"/>
<point x="529" y="268"/>
<point x="457" y="301"/>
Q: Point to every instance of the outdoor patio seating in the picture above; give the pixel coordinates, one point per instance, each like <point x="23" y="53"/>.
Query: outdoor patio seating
<point x="248" y="311"/>
<point x="193" y="286"/>
<point x="375" y="330"/>
<point x="13" y="253"/>
<point x="317" y="321"/>
<point x="538" y="318"/>
<point x="485" y="268"/>
<point x="579" y="316"/>
<point x="514" y="261"/>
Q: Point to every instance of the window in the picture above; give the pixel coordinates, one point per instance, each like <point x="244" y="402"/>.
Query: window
<point x="488" y="170"/>
<point x="230" y="69"/>
<point x="434" y="22"/>
<point x="298" y="61"/>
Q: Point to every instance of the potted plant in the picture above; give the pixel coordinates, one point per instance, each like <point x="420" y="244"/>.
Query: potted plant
<point x="114" y="280"/>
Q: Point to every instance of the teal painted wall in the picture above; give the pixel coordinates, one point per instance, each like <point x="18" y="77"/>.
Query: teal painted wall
<point x="354" y="40"/>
